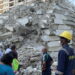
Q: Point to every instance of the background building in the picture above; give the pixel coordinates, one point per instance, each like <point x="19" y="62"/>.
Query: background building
<point x="8" y="4"/>
<point x="1" y="6"/>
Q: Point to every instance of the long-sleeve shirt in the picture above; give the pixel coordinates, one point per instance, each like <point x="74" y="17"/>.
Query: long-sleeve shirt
<point x="64" y="63"/>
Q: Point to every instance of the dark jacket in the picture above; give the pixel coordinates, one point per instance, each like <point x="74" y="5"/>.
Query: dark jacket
<point x="65" y="63"/>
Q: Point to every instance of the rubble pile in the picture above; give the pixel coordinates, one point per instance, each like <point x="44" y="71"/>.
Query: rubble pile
<point x="33" y="26"/>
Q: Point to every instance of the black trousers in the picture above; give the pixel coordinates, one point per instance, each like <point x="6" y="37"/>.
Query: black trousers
<point x="46" y="72"/>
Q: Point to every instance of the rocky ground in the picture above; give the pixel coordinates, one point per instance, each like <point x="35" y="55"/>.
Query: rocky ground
<point x="32" y="27"/>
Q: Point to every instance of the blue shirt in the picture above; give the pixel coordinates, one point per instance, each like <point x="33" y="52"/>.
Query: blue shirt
<point x="6" y="70"/>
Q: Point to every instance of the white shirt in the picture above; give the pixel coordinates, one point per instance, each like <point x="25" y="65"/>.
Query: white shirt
<point x="7" y="50"/>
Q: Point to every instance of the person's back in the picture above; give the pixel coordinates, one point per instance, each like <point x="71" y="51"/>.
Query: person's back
<point x="6" y="65"/>
<point x="6" y="70"/>
<point x="70" y="61"/>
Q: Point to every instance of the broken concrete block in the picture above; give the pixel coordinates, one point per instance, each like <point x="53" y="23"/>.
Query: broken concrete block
<point x="16" y="39"/>
<point x="69" y="23"/>
<point x="23" y="21"/>
<point x="47" y="15"/>
<point x="62" y="27"/>
<point x="20" y="38"/>
<point x="32" y="4"/>
<point x="33" y="59"/>
<point x="58" y="21"/>
<point x="42" y="25"/>
<point x="3" y="17"/>
<point x="6" y="35"/>
<point x="53" y="44"/>
<point x="10" y="28"/>
<point x="60" y="16"/>
<point x="54" y="38"/>
<point x="30" y="69"/>
<point x="1" y="21"/>
<point x="44" y="21"/>
<point x="38" y="47"/>
<point x="45" y="38"/>
<point x="39" y="12"/>
<point x="49" y="11"/>
<point x="47" y="32"/>
<point x="54" y="48"/>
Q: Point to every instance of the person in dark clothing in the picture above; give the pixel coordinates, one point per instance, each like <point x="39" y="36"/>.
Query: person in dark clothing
<point x="15" y="64"/>
<point x="7" y="59"/>
<point x="66" y="56"/>
<point x="14" y="52"/>
<point x="5" y="65"/>
<point x="46" y="62"/>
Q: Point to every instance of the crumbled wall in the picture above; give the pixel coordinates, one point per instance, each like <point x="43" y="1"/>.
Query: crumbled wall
<point x="31" y="27"/>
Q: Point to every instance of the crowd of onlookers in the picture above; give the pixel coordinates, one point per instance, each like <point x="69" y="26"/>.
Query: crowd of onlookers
<point x="9" y="63"/>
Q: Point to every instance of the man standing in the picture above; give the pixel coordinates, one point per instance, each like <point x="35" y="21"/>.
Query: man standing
<point x="46" y="63"/>
<point x="15" y="62"/>
<point x="14" y="52"/>
<point x="66" y="57"/>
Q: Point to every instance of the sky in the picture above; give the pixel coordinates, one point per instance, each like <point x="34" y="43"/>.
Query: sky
<point x="72" y="1"/>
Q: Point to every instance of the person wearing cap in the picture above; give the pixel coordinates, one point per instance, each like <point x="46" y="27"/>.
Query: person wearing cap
<point x="66" y="56"/>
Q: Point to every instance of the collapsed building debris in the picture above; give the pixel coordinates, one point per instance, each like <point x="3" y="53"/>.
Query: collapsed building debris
<point x="31" y="27"/>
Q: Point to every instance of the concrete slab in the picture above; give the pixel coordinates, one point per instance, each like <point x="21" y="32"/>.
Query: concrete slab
<point x="53" y="44"/>
<point x="23" y="21"/>
<point x="45" y="38"/>
<point x="61" y="27"/>
<point x="10" y="28"/>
